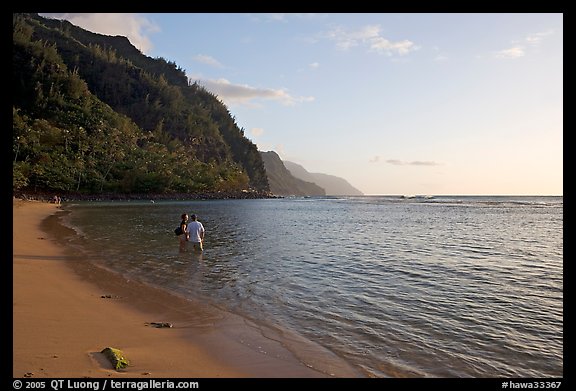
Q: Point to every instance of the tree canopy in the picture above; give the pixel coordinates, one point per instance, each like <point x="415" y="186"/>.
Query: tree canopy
<point x="92" y="114"/>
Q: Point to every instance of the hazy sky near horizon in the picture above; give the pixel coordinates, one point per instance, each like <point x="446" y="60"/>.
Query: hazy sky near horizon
<point x="394" y="103"/>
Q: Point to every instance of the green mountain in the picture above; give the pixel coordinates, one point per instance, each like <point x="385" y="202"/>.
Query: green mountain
<point x="332" y="184"/>
<point x="92" y="114"/>
<point x="282" y="183"/>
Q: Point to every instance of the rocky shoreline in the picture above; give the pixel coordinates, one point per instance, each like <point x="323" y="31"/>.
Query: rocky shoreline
<point x="218" y="195"/>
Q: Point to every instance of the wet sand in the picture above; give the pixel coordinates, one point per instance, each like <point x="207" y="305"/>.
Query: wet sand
<point x="66" y="310"/>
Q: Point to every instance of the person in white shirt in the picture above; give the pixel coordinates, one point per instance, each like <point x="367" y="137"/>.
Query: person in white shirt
<point x="196" y="233"/>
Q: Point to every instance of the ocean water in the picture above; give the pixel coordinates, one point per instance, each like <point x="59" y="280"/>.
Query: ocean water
<point x="455" y="286"/>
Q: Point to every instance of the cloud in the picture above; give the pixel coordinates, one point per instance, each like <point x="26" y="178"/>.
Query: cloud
<point x="369" y="36"/>
<point x="135" y="27"/>
<point x="381" y="44"/>
<point x="278" y="148"/>
<point x="423" y="163"/>
<point x="245" y="94"/>
<point x="412" y="163"/>
<point x="537" y="38"/>
<point x="283" y="17"/>
<point x="208" y="60"/>
<point x="520" y="47"/>
<point x="256" y="131"/>
<point x="511" y="53"/>
<point x="314" y="65"/>
<point x="396" y="162"/>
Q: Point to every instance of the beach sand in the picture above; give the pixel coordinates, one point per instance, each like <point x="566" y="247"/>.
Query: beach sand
<point x="61" y="321"/>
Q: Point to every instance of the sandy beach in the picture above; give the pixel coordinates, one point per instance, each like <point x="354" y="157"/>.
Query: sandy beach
<point x="66" y="311"/>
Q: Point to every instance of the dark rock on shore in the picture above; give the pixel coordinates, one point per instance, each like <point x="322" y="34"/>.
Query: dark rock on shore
<point x="218" y="195"/>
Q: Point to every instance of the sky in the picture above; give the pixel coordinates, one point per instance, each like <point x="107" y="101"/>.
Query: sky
<point x="397" y="104"/>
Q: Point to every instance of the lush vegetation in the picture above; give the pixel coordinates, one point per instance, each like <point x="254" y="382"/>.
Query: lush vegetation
<point x="92" y="114"/>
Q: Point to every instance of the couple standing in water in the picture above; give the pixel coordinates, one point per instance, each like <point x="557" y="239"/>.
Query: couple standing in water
<point x="192" y="231"/>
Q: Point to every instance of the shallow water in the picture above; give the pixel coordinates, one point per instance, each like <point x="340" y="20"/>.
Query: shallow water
<point x="441" y="287"/>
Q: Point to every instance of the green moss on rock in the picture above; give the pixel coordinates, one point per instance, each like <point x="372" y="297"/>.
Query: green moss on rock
<point x="116" y="357"/>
